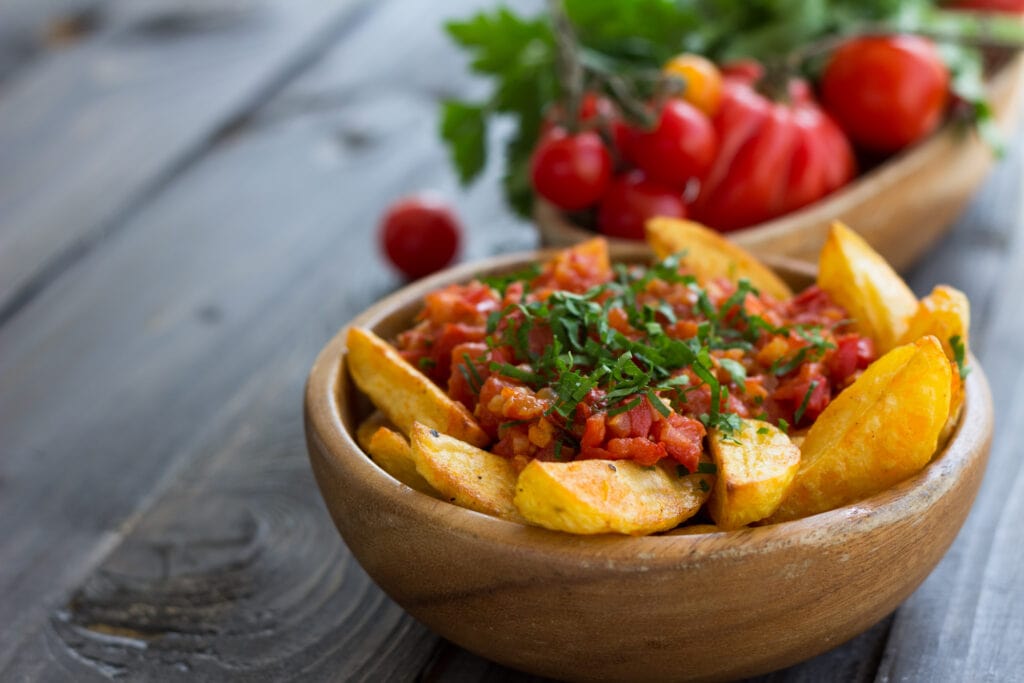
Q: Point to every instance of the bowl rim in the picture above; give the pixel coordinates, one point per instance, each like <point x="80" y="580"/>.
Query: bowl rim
<point x="328" y="385"/>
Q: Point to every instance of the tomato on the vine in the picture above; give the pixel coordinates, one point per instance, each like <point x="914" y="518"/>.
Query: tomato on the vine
<point x="681" y="146"/>
<point x="420" y="234"/>
<point x="773" y="157"/>
<point x="702" y="78"/>
<point x="572" y="171"/>
<point x="886" y="92"/>
<point x="631" y="200"/>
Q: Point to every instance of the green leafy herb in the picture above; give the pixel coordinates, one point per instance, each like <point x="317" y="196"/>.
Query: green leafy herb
<point x="960" y="355"/>
<point x="803" y="404"/>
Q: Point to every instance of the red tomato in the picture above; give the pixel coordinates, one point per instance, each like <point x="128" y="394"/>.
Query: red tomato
<point x="571" y="171"/>
<point x="681" y="146"/>
<point x="773" y="158"/>
<point x="419" y="234"/>
<point x="991" y="5"/>
<point x="886" y="92"/>
<point x="632" y="199"/>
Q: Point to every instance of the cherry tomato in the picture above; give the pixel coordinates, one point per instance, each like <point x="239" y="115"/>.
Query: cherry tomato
<point x="773" y="158"/>
<point x="631" y="200"/>
<point x="571" y="171"/>
<point x="886" y="92"/>
<point x="420" y="234"/>
<point x="702" y="78"/>
<point x="681" y="146"/>
<point x="1010" y="6"/>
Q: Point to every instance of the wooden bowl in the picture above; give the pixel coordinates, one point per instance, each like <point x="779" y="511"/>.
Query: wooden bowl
<point x="901" y="207"/>
<point x="611" y="608"/>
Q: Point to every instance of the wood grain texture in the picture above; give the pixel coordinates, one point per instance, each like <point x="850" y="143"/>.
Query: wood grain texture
<point x="141" y="349"/>
<point x="89" y="132"/>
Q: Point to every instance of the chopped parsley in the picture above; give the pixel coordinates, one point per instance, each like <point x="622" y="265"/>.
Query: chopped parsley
<point x="956" y="342"/>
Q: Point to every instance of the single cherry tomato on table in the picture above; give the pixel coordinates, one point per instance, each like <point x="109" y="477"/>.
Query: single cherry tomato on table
<point x="420" y="234"/>
<point x="703" y="81"/>
<point x="886" y="92"/>
<point x="632" y="199"/>
<point x="773" y="157"/>
<point x="571" y="171"/>
<point x="680" y="147"/>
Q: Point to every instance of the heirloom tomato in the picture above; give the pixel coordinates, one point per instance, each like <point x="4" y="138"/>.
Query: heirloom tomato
<point x="773" y="157"/>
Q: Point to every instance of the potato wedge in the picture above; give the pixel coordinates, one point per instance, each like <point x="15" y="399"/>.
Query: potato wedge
<point x="877" y="432"/>
<point x="464" y="474"/>
<point x="863" y="283"/>
<point x="755" y="468"/>
<point x="391" y="452"/>
<point x="605" y="496"/>
<point x="709" y="255"/>
<point x="403" y="393"/>
<point x="945" y="314"/>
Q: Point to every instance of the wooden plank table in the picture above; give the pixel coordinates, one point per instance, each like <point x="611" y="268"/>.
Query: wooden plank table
<point x="188" y="200"/>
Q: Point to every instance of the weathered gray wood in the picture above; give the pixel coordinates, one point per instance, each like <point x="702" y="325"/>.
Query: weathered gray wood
<point x="145" y="360"/>
<point x="88" y="132"/>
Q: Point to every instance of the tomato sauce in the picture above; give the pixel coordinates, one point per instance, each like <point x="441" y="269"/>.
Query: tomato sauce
<point x="579" y="359"/>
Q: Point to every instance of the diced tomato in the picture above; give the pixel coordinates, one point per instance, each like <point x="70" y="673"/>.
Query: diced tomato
<point x="467" y="304"/>
<point x="642" y="450"/>
<point x="798" y="391"/>
<point x="594" y="432"/>
<point x="852" y="353"/>
<point x="463" y="383"/>
<point x="683" y="438"/>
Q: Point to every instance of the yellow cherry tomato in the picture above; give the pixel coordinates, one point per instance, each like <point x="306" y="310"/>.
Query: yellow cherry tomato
<point x="703" y="81"/>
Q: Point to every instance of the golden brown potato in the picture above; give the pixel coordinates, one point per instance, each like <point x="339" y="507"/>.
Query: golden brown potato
<point x="945" y="314"/>
<point x="880" y="430"/>
<point x="709" y="255"/>
<point x="464" y="474"/>
<point x="403" y="393"/>
<point x="391" y="452"/>
<point x="755" y="468"/>
<point x="605" y="496"/>
<point x="863" y="283"/>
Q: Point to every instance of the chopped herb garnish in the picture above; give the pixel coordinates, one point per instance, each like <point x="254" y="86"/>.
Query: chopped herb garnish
<point x="704" y="485"/>
<point x="426" y="363"/>
<point x="956" y="342"/>
<point x="707" y="468"/>
<point x="803" y="404"/>
<point x="471" y="374"/>
<point x="682" y="471"/>
<point x="784" y="425"/>
<point x="762" y="431"/>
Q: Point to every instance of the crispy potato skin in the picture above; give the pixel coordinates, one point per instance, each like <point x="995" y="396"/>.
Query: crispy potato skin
<point x="606" y="496"/>
<point x="863" y="283"/>
<point x="755" y="468"/>
<point x="391" y="452"/>
<point x="880" y="430"/>
<point x="945" y="313"/>
<point x="403" y="393"/>
<point x="464" y="474"/>
<point x="709" y="255"/>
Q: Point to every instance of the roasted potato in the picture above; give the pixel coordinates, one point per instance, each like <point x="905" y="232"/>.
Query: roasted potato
<point x="709" y="255"/>
<point x="464" y="474"/>
<point x="391" y="452"/>
<point x="945" y="314"/>
<point x="755" y="467"/>
<point x="608" y="496"/>
<point x="863" y="283"/>
<point x="881" y="429"/>
<point x="403" y="393"/>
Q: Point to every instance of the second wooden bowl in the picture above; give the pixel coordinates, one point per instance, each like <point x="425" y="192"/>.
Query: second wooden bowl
<point x="901" y="207"/>
<point x="609" y="608"/>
